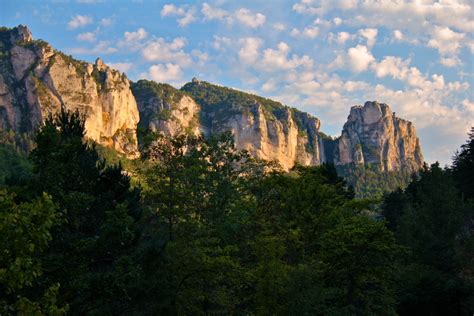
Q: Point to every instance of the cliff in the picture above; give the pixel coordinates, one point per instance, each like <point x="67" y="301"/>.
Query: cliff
<point x="373" y="134"/>
<point x="265" y="128"/>
<point x="166" y="109"/>
<point x="36" y="80"/>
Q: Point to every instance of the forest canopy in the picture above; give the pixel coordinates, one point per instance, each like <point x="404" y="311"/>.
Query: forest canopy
<point x="199" y="227"/>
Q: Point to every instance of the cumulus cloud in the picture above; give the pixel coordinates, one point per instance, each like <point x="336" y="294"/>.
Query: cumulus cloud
<point x="243" y="16"/>
<point x="123" y="67"/>
<point x="213" y="13"/>
<point x="86" y="37"/>
<point x="279" y="26"/>
<point x="106" y="21"/>
<point x="337" y="21"/>
<point x="308" y="32"/>
<point x="165" y="72"/>
<point x="448" y="43"/>
<point x="359" y="58"/>
<point x="101" y="48"/>
<point x="370" y="35"/>
<point x="341" y="37"/>
<point x="392" y="66"/>
<point x="186" y="14"/>
<point x="79" y="21"/>
<point x="140" y="34"/>
<point x="398" y="35"/>
<point x="278" y="59"/>
<point x="170" y="52"/>
<point x="250" y="19"/>
<point x="249" y="50"/>
<point x="134" y="40"/>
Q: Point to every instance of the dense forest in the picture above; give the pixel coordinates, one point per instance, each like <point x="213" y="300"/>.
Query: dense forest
<point x="199" y="227"/>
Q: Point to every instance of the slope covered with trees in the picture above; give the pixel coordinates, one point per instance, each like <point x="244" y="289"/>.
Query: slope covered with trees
<point x="211" y="230"/>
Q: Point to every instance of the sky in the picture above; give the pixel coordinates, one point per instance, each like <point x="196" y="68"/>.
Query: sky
<point x="320" y="56"/>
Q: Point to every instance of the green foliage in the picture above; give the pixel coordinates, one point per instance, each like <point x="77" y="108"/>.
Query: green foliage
<point x="25" y="232"/>
<point x="225" y="102"/>
<point x="369" y="181"/>
<point x="146" y="89"/>
<point x="14" y="165"/>
<point x="210" y="230"/>
<point x="100" y="210"/>
<point x="432" y="220"/>
<point x="463" y="167"/>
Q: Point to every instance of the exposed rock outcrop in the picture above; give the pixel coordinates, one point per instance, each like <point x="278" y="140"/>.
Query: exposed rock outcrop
<point x="36" y="80"/>
<point x="165" y="109"/>
<point x="265" y="128"/>
<point x="373" y="134"/>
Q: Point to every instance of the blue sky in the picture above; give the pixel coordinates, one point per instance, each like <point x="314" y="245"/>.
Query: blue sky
<point x="321" y="56"/>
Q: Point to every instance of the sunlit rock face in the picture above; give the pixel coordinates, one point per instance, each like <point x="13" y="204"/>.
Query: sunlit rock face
<point x="373" y="134"/>
<point x="265" y="128"/>
<point x="36" y="81"/>
<point x="165" y="109"/>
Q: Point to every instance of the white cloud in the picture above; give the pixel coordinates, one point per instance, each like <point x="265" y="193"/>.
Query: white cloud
<point x="342" y="37"/>
<point x="450" y="61"/>
<point x="106" y="21"/>
<point x="249" y="50"/>
<point x="448" y="44"/>
<point x="79" y="21"/>
<point x="468" y="105"/>
<point x="337" y="21"/>
<point x="212" y="13"/>
<point x="308" y="32"/>
<point x="202" y="57"/>
<point x="392" y="66"/>
<point x="221" y="42"/>
<point x="248" y="18"/>
<point x="101" y="48"/>
<point x="186" y="14"/>
<point x="359" y="58"/>
<point x="164" y="73"/>
<point x="242" y="15"/>
<point x="139" y="35"/>
<point x="398" y="35"/>
<point x="270" y="85"/>
<point x="370" y="35"/>
<point x="278" y="59"/>
<point x="86" y="37"/>
<point x="123" y="67"/>
<point x="169" y="52"/>
<point x="279" y="26"/>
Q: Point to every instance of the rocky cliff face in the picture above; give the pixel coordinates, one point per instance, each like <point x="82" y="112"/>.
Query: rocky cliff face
<point x="165" y="109"/>
<point x="36" y="80"/>
<point x="265" y="128"/>
<point x="373" y="134"/>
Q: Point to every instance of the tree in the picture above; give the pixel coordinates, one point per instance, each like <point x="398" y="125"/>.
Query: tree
<point x="91" y="248"/>
<point x="430" y="223"/>
<point x="25" y="232"/>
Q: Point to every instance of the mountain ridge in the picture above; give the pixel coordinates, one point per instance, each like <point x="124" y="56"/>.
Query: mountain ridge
<point x="37" y="80"/>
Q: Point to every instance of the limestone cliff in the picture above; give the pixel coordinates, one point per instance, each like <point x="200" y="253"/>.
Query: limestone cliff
<point x="36" y="80"/>
<point x="165" y="109"/>
<point x="373" y="134"/>
<point x="265" y="128"/>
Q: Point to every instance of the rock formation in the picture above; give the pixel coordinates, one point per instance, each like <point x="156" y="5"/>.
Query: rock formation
<point x="36" y="80"/>
<point x="265" y="128"/>
<point x="165" y="109"/>
<point x="373" y="134"/>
